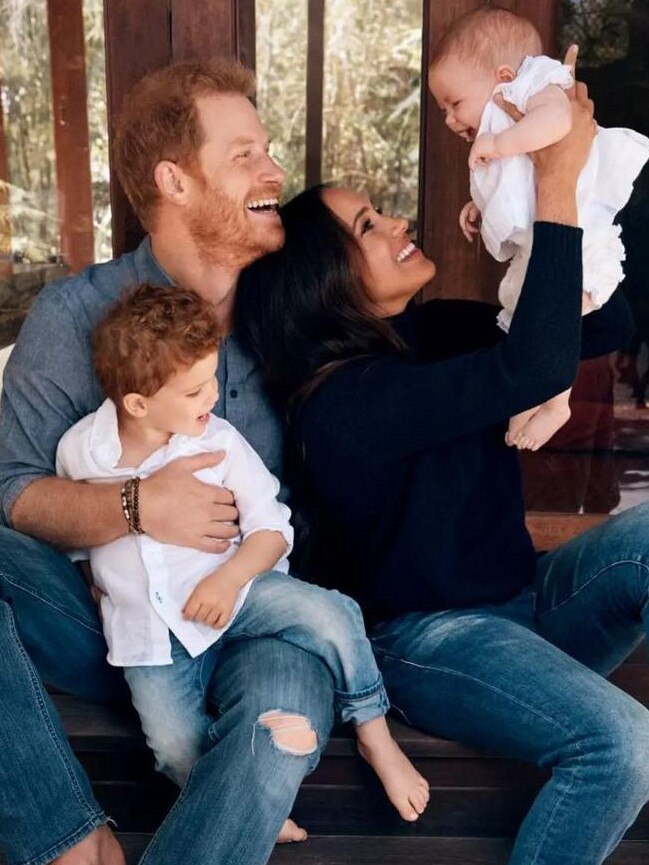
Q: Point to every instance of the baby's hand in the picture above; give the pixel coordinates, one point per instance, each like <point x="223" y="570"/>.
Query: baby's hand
<point x="484" y="150"/>
<point x="469" y="216"/>
<point x="212" y="601"/>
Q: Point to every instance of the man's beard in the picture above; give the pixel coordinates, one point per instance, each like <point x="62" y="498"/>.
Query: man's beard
<point x="224" y="235"/>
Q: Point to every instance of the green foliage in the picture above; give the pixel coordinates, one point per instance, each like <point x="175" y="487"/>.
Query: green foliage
<point x="27" y="104"/>
<point x="371" y="94"/>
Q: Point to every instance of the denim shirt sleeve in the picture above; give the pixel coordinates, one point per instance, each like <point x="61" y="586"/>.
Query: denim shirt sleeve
<point x="48" y="385"/>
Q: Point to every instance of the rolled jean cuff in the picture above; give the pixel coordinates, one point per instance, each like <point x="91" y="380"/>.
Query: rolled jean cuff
<point x="362" y="706"/>
<point x="72" y="839"/>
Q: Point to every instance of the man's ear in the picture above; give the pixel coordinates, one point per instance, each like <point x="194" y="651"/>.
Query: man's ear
<point x="505" y="73"/>
<point x="171" y="180"/>
<point x="135" y="404"/>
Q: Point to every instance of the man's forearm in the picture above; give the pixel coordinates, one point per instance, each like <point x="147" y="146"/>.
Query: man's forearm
<point x="70" y="513"/>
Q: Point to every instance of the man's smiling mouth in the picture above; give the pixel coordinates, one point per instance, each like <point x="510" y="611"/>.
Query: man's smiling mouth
<point x="263" y="205"/>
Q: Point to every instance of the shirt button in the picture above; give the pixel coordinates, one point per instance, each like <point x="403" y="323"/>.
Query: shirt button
<point x="234" y="393"/>
<point x="158" y="598"/>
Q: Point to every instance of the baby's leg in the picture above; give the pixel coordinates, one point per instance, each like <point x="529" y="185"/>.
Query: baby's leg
<point x="543" y="423"/>
<point x="517" y="423"/>
<point x="330" y="625"/>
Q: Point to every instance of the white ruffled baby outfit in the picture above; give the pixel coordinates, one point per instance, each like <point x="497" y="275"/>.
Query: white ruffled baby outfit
<point x="504" y="192"/>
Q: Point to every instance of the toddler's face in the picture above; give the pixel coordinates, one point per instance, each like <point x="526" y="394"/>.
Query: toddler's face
<point x="462" y="92"/>
<point x="183" y="404"/>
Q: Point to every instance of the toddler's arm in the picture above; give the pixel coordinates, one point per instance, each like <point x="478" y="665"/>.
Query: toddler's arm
<point x="213" y="599"/>
<point x="266" y="533"/>
<point x="548" y="119"/>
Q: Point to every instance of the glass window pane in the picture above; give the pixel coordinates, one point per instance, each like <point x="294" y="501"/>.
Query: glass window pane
<point x="281" y="83"/>
<point x="372" y="97"/>
<point x="599" y="461"/>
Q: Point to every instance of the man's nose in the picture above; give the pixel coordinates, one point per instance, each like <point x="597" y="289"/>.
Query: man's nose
<point x="272" y="172"/>
<point x="450" y="120"/>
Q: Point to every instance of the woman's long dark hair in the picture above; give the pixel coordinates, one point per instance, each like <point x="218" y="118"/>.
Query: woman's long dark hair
<point x="303" y="310"/>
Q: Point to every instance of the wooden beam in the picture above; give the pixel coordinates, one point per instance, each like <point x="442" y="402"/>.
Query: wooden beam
<point x="550" y="530"/>
<point x="463" y="269"/>
<point x="210" y="28"/>
<point x="71" y="136"/>
<point x="137" y="42"/>
<point x="314" y="91"/>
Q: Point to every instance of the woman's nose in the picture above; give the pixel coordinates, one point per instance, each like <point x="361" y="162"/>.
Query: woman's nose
<point x="399" y="225"/>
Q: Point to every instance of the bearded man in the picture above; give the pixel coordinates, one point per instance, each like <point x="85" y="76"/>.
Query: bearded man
<point x="193" y="158"/>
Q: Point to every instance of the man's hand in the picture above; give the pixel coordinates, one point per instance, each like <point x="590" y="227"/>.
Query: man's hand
<point x="469" y="218"/>
<point x="484" y="150"/>
<point x="176" y="508"/>
<point x="212" y="601"/>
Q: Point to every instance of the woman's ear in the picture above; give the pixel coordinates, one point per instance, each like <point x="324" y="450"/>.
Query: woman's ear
<point x="505" y="73"/>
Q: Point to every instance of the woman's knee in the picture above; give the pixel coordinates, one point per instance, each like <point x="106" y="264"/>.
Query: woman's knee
<point x="621" y="739"/>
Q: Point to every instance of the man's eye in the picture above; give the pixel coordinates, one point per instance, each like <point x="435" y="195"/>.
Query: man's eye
<point x="456" y="103"/>
<point x="195" y="393"/>
<point x="244" y="154"/>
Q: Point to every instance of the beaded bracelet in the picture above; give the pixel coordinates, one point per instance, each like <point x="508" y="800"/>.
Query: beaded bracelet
<point x="130" y="495"/>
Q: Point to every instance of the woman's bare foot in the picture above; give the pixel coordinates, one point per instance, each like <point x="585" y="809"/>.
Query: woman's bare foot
<point x="406" y="788"/>
<point x="101" y="847"/>
<point x="290" y="832"/>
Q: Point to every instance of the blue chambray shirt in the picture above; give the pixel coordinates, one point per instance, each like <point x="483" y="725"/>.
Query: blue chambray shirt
<point x="50" y="383"/>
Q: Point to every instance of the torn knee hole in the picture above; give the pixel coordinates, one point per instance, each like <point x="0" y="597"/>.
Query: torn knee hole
<point x="292" y="734"/>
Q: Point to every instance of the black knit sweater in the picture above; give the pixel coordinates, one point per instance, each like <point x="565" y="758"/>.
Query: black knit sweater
<point x="419" y="499"/>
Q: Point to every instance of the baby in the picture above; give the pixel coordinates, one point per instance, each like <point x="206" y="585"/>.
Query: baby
<point x="166" y="610"/>
<point x="492" y="51"/>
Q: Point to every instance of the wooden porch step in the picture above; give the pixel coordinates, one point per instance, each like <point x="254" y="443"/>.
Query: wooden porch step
<point x="346" y="850"/>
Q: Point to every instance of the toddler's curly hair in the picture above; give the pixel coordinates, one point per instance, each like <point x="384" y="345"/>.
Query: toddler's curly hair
<point x="148" y="335"/>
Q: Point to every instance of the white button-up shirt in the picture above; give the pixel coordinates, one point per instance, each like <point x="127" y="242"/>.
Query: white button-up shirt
<point x="146" y="583"/>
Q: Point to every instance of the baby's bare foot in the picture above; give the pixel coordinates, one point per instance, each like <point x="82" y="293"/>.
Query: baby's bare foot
<point x="101" y="847"/>
<point x="541" y="427"/>
<point x="406" y="788"/>
<point x="290" y="831"/>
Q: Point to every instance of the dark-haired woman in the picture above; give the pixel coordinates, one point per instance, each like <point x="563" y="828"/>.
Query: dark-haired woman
<point x="397" y="415"/>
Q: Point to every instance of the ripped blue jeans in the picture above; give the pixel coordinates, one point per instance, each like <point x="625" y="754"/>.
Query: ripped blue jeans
<point x="171" y="699"/>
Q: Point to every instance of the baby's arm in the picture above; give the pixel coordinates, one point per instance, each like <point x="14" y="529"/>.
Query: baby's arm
<point x="548" y="119"/>
<point x="213" y="599"/>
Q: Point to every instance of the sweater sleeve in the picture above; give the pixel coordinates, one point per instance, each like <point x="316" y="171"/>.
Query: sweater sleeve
<point x="388" y="407"/>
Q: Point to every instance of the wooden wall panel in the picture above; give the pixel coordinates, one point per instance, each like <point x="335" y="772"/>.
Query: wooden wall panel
<point x="71" y="137"/>
<point x="137" y="42"/>
<point x="144" y="35"/>
<point x="463" y="269"/>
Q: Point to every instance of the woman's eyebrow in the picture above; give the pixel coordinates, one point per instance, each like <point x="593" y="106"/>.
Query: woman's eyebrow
<point x="360" y="213"/>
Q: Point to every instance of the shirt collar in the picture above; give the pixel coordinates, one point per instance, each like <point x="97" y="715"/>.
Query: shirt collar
<point x="147" y="266"/>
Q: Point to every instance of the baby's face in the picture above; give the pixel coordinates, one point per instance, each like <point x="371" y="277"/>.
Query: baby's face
<point x="462" y="92"/>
